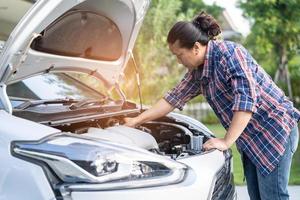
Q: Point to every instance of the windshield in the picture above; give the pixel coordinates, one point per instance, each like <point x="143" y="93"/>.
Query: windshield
<point x="52" y="86"/>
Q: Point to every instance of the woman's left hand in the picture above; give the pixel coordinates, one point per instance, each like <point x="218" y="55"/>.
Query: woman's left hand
<point x="215" y="143"/>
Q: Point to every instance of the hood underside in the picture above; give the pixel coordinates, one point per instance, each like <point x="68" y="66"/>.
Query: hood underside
<point x="91" y="36"/>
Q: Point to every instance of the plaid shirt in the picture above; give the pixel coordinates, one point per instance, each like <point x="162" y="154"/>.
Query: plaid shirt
<point x="231" y="80"/>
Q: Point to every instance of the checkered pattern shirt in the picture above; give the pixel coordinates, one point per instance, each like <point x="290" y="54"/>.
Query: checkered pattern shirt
<point x="231" y="80"/>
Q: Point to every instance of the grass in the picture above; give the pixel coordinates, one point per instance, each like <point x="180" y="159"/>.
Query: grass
<point x="219" y="131"/>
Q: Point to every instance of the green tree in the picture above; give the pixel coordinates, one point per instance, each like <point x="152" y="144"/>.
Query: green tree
<point x="195" y="6"/>
<point x="157" y="64"/>
<point x="275" y="31"/>
<point x="159" y="68"/>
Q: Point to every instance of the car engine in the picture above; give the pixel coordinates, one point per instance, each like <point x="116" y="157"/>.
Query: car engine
<point x="164" y="138"/>
<point x="124" y="135"/>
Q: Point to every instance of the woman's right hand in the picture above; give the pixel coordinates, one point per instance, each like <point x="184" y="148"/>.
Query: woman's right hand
<point x="130" y="121"/>
<point x="161" y="108"/>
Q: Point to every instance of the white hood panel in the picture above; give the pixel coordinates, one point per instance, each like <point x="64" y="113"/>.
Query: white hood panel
<point x="127" y="15"/>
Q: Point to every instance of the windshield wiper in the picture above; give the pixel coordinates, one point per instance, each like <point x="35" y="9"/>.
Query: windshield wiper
<point x="87" y="102"/>
<point x="73" y="104"/>
<point x="32" y="103"/>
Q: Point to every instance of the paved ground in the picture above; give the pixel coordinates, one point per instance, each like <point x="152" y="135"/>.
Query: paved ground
<point x="243" y="194"/>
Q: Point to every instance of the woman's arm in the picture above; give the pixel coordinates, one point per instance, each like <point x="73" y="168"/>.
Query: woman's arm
<point x="161" y="108"/>
<point x="239" y="122"/>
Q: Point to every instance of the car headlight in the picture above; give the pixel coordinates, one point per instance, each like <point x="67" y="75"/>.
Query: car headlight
<point x="76" y="159"/>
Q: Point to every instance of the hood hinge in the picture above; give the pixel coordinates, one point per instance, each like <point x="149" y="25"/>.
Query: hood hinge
<point x="25" y="52"/>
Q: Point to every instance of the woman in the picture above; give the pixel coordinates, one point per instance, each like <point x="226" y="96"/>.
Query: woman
<point x="254" y="111"/>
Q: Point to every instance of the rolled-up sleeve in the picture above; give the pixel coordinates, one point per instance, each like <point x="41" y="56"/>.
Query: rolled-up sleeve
<point x="242" y="72"/>
<point x="187" y="89"/>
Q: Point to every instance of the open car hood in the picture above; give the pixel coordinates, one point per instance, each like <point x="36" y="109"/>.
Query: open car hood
<point x="89" y="36"/>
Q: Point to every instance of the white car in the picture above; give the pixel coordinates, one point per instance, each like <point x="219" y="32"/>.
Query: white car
<point x="62" y="139"/>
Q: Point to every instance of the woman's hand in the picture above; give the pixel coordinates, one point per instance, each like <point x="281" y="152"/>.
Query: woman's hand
<point x="130" y="122"/>
<point x="216" y="143"/>
<point x="161" y="108"/>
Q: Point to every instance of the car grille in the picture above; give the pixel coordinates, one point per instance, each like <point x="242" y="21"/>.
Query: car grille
<point x="224" y="188"/>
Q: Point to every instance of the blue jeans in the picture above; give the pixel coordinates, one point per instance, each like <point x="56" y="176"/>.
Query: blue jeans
<point x="273" y="186"/>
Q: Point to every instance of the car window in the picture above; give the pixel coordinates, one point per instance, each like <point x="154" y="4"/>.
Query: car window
<point x="52" y="86"/>
<point x="11" y="11"/>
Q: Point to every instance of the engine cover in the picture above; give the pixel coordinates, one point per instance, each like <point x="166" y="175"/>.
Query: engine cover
<point x="124" y="135"/>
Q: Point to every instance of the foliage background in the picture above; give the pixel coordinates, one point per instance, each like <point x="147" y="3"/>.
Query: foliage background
<point x="273" y="22"/>
<point x="159" y="69"/>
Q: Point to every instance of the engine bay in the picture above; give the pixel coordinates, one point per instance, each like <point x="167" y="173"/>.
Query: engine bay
<point x="164" y="136"/>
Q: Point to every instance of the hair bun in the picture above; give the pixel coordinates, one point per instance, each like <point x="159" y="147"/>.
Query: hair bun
<point x="207" y="24"/>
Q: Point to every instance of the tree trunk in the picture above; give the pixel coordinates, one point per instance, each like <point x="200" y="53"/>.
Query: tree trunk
<point x="282" y="73"/>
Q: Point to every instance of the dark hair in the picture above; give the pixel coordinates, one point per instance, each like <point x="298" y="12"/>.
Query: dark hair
<point x="201" y="29"/>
